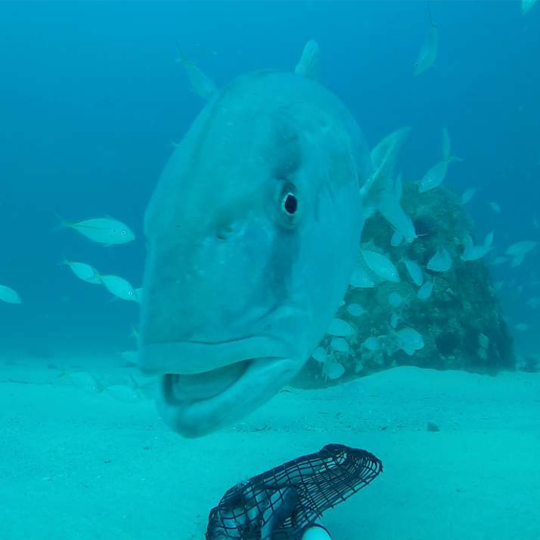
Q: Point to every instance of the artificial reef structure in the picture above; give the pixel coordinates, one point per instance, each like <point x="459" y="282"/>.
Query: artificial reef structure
<point x="448" y="320"/>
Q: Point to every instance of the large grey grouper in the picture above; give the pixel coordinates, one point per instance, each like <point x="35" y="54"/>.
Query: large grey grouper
<point x="253" y="232"/>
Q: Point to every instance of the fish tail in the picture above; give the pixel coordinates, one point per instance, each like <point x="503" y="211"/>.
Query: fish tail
<point x="63" y="224"/>
<point x="135" y="385"/>
<point x="453" y="159"/>
<point x="181" y="56"/>
<point x="382" y="192"/>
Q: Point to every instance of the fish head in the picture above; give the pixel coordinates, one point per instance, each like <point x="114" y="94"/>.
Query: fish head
<point x="252" y="235"/>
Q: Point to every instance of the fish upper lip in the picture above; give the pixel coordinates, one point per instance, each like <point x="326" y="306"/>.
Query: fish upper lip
<point x="190" y="357"/>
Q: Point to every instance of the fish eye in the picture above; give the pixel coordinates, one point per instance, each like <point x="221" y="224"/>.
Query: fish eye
<point x="123" y="233"/>
<point x="290" y="203"/>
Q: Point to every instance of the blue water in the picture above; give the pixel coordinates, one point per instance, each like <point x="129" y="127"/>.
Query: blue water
<point x="92" y="98"/>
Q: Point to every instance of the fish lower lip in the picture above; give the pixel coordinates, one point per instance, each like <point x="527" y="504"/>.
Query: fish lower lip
<point x="195" y="406"/>
<point x="179" y="388"/>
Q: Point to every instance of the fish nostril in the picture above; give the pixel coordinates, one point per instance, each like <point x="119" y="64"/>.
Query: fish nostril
<point x="224" y="232"/>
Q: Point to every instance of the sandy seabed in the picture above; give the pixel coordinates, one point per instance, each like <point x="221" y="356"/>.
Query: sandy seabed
<point x="78" y="463"/>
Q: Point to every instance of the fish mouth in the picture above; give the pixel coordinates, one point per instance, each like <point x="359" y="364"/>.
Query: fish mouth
<point x="196" y="405"/>
<point x="207" y="386"/>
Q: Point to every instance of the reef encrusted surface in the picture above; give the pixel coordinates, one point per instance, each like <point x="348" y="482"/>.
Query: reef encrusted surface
<point x="460" y="323"/>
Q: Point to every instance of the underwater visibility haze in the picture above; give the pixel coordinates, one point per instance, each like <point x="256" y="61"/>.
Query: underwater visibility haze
<point x="299" y="237"/>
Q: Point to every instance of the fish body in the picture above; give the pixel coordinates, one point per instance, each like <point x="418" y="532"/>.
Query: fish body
<point x="84" y="271"/>
<point x="519" y="250"/>
<point x="340" y="328"/>
<point x="106" y="231"/>
<point x="414" y="271"/>
<point x="360" y="279"/>
<point x="424" y="292"/>
<point x="410" y="340"/>
<point x="440" y="262"/>
<point x="522" y="327"/>
<point x="472" y="252"/>
<point x="386" y="197"/>
<point x="339" y="345"/>
<point x="9" y="295"/>
<point x="381" y="265"/>
<point x="333" y="369"/>
<point x="435" y="176"/>
<point x="319" y="355"/>
<point x="118" y="286"/>
<point x="483" y="341"/>
<point x="372" y="344"/>
<point x="201" y="83"/>
<point x="253" y="232"/>
<point x="395" y="299"/>
<point x="429" y="50"/>
<point x="496" y="207"/>
<point x="468" y="195"/>
<point x="527" y="5"/>
<point x="356" y="310"/>
<point x="397" y="239"/>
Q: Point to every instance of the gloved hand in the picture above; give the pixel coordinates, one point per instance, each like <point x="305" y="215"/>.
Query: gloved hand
<point x="317" y="531"/>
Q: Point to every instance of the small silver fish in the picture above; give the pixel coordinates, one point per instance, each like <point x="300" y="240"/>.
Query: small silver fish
<point x="360" y="279"/>
<point x="519" y="250"/>
<point x="7" y="294"/>
<point x="429" y="50"/>
<point x="435" y="176"/>
<point x="424" y="292"/>
<point x="440" y="262"/>
<point x="201" y="83"/>
<point x="397" y="239"/>
<point x="522" y="327"/>
<point x="333" y="369"/>
<point x="410" y="340"/>
<point x="319" y="355"/>
<point x="415" y="272"/>
<point x="84" y="271"/>
<point x="372" y="344"/>
<point x="468" y="194"/>
<point x="118" y="286"/>
<point x="106" y="231"/>
<point x="472" y="252"/>
<point x="496" y="207"/>
<point x="395" y="299"/>
<point x="340" y="328"/>
<point x="356" y="310"/>
<point x="483" y="341"/>
<point x="381" y="265"/>
<point x="527" y="5"/>
<point x="340" y="345"/>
